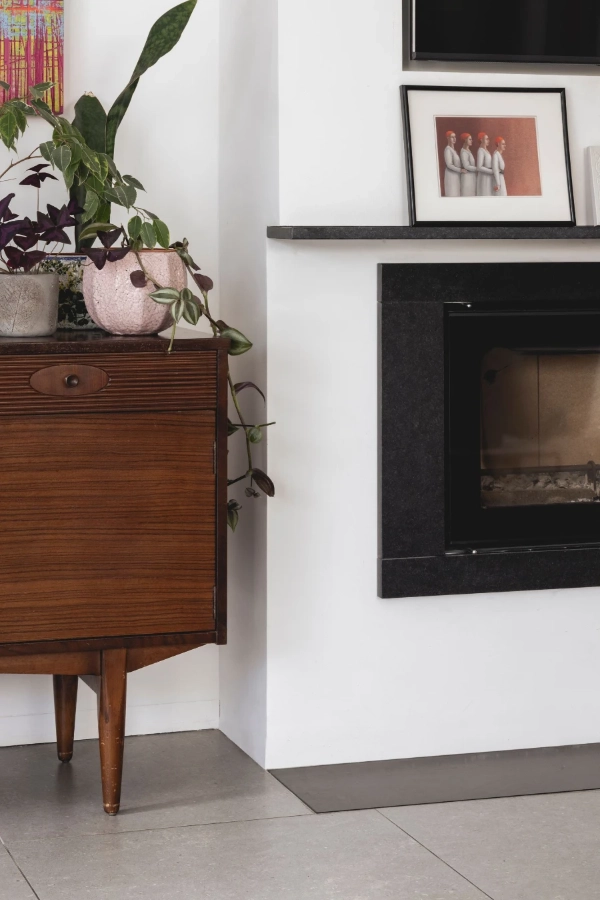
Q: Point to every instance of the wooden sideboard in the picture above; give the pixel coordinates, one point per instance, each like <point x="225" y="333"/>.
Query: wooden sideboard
<point x="113" y="513"/>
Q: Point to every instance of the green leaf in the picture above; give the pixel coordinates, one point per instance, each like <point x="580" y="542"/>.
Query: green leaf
<point x="61" y="158"/>
<point x="165" y="295"/>
<point x="231" y="428"/>
<point x="5" y="85"/>
<point x="20" y="117"/>
<point x="186" y="294"/>
<point x="121" y="194"/>
<point x="233" y="515"/>
<point x="92" y="202"/>
<point x="69" y="174"/>
<point x="134" y="227"/>
<point x="239" y="342"/>
<point x="164" y="35"/>
<point x="191" y="311"/>
<point x="43" y="110"/>
<point x="92" y="230"/>
<point x="134" y="182"/>
<point x="93" y="184"/>
<point x="91" y="161"/>
<point x="90" y="120"/>
<point x="148" y="213"/>
<point x="178" y="309"/>
<point x="38" y="90"/>
<point x="148" y="236"/>
<point x="255" y="435"/>
<point x="162" y="233"/>
<point x="47" y="149"/>
<point x="9" y="129"/>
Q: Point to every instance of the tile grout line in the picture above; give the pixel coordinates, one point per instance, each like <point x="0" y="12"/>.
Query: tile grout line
<point x="429" y="850"/>
<point x="20" y="870"/>
<point x="67" y="835"/>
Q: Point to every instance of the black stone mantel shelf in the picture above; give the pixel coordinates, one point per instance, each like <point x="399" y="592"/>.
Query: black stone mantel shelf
<point x="433" y="233"/>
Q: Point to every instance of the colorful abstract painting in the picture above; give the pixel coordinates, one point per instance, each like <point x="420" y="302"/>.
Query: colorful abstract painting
<point x="32" y="47"/>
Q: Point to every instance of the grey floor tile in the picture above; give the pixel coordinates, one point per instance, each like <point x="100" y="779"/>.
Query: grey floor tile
<point x="12" y="884"/>
<point x="346" y="856"/>
<point x="516" y="848"/>
<point x="169" y="780"/>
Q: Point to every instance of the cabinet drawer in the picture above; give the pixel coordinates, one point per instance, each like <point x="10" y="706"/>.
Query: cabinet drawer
<point x="108" y="382"/>
<point x="108" y="525"/>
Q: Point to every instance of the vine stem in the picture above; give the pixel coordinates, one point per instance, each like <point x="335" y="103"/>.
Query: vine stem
<point x="215" y="331"/>
<point x="31" y="156"/>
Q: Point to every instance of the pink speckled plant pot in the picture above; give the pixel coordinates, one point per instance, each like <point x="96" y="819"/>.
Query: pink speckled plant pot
<point x="118" y="307"/>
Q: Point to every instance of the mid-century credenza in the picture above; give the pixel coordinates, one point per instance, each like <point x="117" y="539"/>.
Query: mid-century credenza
<point x="113" y="515"/>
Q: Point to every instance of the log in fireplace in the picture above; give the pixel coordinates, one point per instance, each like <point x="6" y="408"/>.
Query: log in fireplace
<point x="489" y="427"/>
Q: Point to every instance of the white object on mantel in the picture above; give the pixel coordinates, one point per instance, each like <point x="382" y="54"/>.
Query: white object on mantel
<point x="592" y="155"/>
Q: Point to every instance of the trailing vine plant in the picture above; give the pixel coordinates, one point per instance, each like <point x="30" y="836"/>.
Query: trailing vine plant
<point x="100" y="185"/>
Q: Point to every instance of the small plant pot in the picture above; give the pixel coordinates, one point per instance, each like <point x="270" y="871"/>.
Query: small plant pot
<point x="118" y="307"/>
<point x="28" y="305"/>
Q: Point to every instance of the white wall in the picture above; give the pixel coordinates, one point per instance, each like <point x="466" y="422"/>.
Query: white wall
<point x="169" y="140"/>
<point x="352" y="677"/>
<point x="248" y="203"/>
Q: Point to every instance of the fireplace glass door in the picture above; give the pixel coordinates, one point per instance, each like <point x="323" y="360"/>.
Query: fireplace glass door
<point x="523" y="427"/>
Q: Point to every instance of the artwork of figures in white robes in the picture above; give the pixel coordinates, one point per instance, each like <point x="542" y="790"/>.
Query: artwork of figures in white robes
<point x="485" y="175"/>
<point x="498" y="168"/>
<point x="468" y="179"/>
<point x="453" y="167"/>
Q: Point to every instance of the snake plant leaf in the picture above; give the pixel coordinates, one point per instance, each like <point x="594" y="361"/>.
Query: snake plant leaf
<point x="164" y="35"/>
<point x="90" y="120"/>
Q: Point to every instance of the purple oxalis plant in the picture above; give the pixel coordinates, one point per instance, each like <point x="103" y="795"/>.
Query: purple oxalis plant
<point x="25" y="243"/>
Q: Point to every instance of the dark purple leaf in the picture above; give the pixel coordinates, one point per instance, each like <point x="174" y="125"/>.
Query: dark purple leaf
<point x="138" y="279"/>
<point x="37" y="179"/>
<point x="97" y="256"/>
<point x="27" y="241"/>
<point x="55" y="235"/>
<point x="32" y="259"/>
<point x="74" y="209"/>
<point x="242" y="385"/>
<point x="9" y="216"/>
<point x="39" y="167"/>
<point x="14" y="257"/>
<point x="4" y="204"/>
<point x="204" y="282"/>
<point x="116" y="255"/>
<point x="108" y="238"/>
<point x="7" y="233"/>
<point x="33" y="180"/>
<point x="264" y="482"/>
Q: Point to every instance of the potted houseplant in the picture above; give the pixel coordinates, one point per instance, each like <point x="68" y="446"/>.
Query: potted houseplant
<point x="83" y="151"/>
<point x="29" y="296"/>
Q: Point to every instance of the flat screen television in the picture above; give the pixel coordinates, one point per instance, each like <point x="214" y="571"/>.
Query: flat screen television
<point x="564" y="31"/>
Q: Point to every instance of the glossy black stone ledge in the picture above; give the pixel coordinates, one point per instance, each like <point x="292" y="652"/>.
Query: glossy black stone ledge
<point x="433" y="233"/>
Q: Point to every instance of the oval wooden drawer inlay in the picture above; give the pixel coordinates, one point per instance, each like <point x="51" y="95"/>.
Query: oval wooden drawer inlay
<point x="69" y="380"/>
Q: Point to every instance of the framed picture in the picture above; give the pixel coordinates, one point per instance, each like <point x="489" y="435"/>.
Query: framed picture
<point x="487" y="156"/>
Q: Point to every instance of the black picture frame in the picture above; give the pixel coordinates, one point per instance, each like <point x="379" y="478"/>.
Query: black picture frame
<point x="408" y="152"/>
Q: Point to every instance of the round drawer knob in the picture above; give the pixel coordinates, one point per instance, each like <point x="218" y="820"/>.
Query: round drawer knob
<point x="72" y="380"/>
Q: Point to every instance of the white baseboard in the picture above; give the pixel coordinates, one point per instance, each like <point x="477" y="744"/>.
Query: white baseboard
<point x="160" y="718"/>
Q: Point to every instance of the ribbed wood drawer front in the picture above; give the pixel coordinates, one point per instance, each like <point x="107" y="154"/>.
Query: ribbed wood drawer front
<point x="136" y="381"/>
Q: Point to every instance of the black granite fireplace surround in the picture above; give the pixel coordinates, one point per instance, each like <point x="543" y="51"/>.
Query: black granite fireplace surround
<point x="489" y="427"/>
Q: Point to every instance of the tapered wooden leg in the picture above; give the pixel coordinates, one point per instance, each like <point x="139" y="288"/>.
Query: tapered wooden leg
<point x="65" y="704"/>
<point x="111" y="726"/>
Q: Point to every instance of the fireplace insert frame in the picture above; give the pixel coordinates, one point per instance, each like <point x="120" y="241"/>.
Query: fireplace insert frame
<point x="471" y="330"/>
<point x="418" y="556"/>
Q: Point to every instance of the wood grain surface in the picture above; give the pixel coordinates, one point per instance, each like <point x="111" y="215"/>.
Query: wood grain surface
<point x="137" y="381"/>
<point x="108" y="527"/>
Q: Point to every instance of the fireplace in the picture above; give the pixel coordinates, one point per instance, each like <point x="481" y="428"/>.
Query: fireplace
<point x="489" y="428"/>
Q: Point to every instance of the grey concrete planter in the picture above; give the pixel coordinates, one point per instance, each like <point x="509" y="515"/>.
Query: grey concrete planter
<point x="28" y="305"/>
